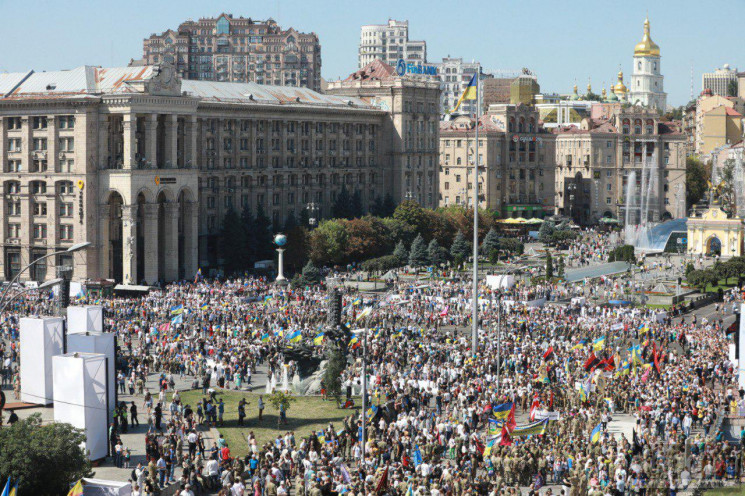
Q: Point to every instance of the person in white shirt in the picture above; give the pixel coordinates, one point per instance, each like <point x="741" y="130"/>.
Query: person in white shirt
<point x="186" y="491"/>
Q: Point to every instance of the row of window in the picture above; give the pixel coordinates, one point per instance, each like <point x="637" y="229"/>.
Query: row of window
<point x="40" y="145"/>
<point x="38" y="187"/>
<point x="305" y="180"/>
<point x="41" y="122"/>
<point x="39" y="208"/>
<point x="276" y="145"/>
<point x="40" y="231"/>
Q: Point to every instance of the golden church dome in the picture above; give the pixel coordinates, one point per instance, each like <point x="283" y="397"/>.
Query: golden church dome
<point x="647" y="47"/>
<point x="619" y="87"/>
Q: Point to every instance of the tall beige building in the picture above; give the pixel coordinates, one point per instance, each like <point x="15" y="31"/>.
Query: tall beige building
<point x="239" y="49"/>
<point x="389" y="43"/>
<point x="413" y="107"/>
<point x="145" y="166"/>
<point x="594" y="160"/>
<point x="516" y="162"/>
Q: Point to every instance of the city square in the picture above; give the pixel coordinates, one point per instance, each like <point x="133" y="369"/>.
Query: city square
<point x="231" y="266"/>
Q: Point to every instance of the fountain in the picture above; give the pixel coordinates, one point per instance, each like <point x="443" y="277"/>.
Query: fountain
<point x="642" y="209"/>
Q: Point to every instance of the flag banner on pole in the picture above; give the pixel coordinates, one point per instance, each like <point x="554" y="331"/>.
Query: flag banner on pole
<point x="538" y="427"/>
<point x="595" y="434"/>
<point x="364" y="313"/>
<point x="502" y="412"/>
<point x="177" y="309"/>
<point x="470" y="93"/>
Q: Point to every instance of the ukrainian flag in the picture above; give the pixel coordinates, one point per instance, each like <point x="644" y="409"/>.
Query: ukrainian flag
<point x="364" y="313"/>
<point x="357" y="301"/>
<point x="267" y="299"/>
<point x="80" y="296"/>
<point x="6" y="491"/>
<point x="14" y="490"/>
<point x="178" y="319"/>
<point x="490" y="445"/>
<point x="204" y="305"/>
<point x="354" y="342"/>
<point x="471" y="91"/>
<point x="318" y="340"/>
<point x="582" y="393"/>
<point x="295" y="337"/>
<point x="177" y="310"/>
<point x="265" y="338"/>
<point x="595" y="434"/>
<point x="398" y="333"/>
<point x="502" y="412"/>
<point x="578" y="346"/>
<point x="599" y="343"/>
<point x="371" y="412"/>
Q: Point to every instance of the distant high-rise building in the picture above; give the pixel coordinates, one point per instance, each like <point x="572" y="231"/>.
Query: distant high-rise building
<point x="720" y="80"/>
<point x="389" y="43"/>
<point x="238" y="50"/>
<point x="524" y="88"/>
<point x="646" y="80"/>
<point x="496" y="90"/>
<point x="454" y="75"/>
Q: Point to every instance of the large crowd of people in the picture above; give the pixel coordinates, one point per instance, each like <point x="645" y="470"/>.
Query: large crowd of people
<point x="536" y="405"/>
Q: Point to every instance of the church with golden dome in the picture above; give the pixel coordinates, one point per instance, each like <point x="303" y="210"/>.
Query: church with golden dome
<point x="646" y="87"/>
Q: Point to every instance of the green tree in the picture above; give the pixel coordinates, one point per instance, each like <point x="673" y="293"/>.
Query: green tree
<point x="702" y="278"/>
<point x="546" y="232"/>
<point x="560" y="267"/>
<point x="490" y="242"/>
<point x="732" y="88"/>
<point x="389" y="206"/>
<point x="309" y="276"/>
<point x="696" y="179"/>
<point x="512" y="246"/>
<point x="460" y="249"/>
<point x="335" y="366"/>
<point x="342" y="207"/>
<point x="435" y="253"/>
<point x="247" y="220"/>
<point x="549" y="266"/>
<point x="727" y="186"/>
<point x="411" y="213"/>
<point x="399" y="230"/>
<point x="418" y="254"/>
<point x="377" y="208"/>
<point x="281" y="401"/>
<point x="44" y="459"/>
<point x="356" y="207"/>
<point x="401" y="253"/>
<point x="328" y="243"/>
<point x="233" y="242"/>
<point x="262" y="234"/>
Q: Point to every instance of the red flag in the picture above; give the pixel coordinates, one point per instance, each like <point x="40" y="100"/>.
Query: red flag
<point x="444" y="312"/>
<point x="549" y="352"/>
<point x="536" y="404"/>
<point x="383" y="483"/>
<point x="510" y="422"/>
<point x="479" y="445"/>
<point x="607" y="364"/>
<point x="591" y="362"/>
<point x="656" y="355"/>
<point x="551" y="401"/>
<point x="506" y="439"/>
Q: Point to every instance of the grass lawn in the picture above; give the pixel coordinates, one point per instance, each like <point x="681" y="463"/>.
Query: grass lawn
<point x="307" y="414"/>
<point x="659" y="307"/>
<point x="725" y="284"/>
<point x="729" y="491"/>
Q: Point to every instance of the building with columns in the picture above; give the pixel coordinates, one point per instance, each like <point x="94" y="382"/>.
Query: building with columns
<point x="227" y="48"/>
<point x="516" y="162"/>
<point x="412" y="105"/>
<point x="145" y="166"/>
<point x="594" y="161"/>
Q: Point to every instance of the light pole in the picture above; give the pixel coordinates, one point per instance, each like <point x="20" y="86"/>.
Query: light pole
<point x="72" y="249"/>
<point x="43" y="286"/>
<point x="312" y="220"/>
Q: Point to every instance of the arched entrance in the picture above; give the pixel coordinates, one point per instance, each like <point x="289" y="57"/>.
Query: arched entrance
<point x="115" y="237"/>
<point x="162" y="233"/>
<point x="713" y="246"/>
<point x="141" y="237"/>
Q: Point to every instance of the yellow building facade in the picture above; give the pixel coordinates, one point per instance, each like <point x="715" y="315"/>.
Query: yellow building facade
<point x="715" y="234"/>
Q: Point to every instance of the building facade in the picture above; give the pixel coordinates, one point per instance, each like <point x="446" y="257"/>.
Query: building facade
<point x="412" y="107"/>
<point x="718" y="121"/>
<point x="389" y="43"/>
<point x="239" y="50"/>
<point x="145" y="166"/>
<point x="496" y="90"/>
<point x="454" y="75"/>
<point x="720" y="81"/>
<point x="594" y="162"/>
<point x="646" y="78"/>
<point x="516" y="162"/>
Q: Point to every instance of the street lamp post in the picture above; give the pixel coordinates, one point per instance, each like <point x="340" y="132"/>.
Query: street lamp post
<point x="72" y="249"/>
<point x="43" y="286"/>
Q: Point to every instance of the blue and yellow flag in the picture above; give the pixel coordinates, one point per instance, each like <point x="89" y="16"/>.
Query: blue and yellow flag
<point x="267" y="299"/>
<point x="398" y="333"/>
<point x="364" y="313"/>
<point x="178" y="319"/>
<point x="354" y="342"/>
<point x="177" y="310"/>
<point x="538" y="428"/>
<point x="357" y="301"/>
<point x="295" y="337"/>
<point x="595" y="434"/>
<point x="204" y="305"/>
<point x="265" y="338"/>
<point x="502" y="412"/>
<point x="6" y="491"/>
<point x="599" y="343"/>
<point x="470" y="93"/>
<point x="370" y="413"/>
<point x="318" y="340"/>
<point x="14" y="490"/>
<point x="491" y="443"/>
<point x="80" y="296"/>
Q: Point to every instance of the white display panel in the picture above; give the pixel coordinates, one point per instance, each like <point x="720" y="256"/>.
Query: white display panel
<point x="85" y="319"/>
<point x="80" y="397"/>
<point x="97" y="343"/>
<point x="41" y="339"/>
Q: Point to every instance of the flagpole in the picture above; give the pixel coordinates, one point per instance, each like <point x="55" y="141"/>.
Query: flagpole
<point x="364" y="389"/>
<point x="475" y="296"/>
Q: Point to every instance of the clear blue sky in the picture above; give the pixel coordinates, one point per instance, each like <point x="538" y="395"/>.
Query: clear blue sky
<point x="562" y="42"/>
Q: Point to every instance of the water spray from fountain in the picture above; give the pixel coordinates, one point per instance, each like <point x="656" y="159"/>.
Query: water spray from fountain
<point x="642" y="208"/>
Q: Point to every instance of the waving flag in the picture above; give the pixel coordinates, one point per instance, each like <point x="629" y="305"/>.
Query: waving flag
<point x="535" y="428"/>
<point x="595" y="434"/>
<point x="198" y="275"/>
<point x="178" y="319"/>
<point x="205" y="305"/>
<point x="599" y="343"/>
<point x="371" y="412"/>
<point x="265" y="338"/>
<point x="470" y="93"/>
<point x="318" y="340"/>
<point x="77" y="489"/>
<point x="534" y="407"/>
<point x="417" y="456"/>
<point x="354" y="343"/>
<point x="177" y="310"/>
<point x="364" y="313"/>
<point x="295" y="337"/>
<point x="444" y="311"/>
<point x="357" y="301"/>
<point x="502" y="412"/>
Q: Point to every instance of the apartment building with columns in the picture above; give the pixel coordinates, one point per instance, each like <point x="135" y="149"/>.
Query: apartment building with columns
<point x="238" y="49"/>
<point x="516" y="162"/>
<point x="145" y="166"/>
<point x="595" y="159"/>
<point x="412" y="105"/>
